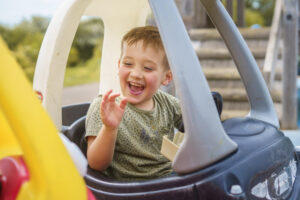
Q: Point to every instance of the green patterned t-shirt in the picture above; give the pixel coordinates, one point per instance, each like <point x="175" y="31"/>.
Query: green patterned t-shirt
<point x="137" y="151"/>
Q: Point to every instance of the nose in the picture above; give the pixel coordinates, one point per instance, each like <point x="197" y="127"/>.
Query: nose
<point x="136" y="73"/>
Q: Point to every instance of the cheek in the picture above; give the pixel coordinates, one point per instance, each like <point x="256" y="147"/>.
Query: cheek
<point x="122" y="73"/>
<point x="152" y="80"/>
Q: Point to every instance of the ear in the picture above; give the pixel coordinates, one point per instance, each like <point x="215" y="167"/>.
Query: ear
<point x="168" y="78"/>
<point x="118" y="66"/>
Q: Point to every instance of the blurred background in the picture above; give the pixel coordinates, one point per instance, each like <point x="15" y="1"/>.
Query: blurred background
<point x="23" y="25"/>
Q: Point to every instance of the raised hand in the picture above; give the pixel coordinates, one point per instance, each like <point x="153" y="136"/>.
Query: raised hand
<point x="111" y="113"/>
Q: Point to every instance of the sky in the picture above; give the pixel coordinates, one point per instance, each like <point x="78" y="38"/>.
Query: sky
<point x="14" y="11"/>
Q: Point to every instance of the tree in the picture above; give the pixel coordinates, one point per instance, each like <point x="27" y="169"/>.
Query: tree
<point x="264" y="7"/>
<point x="25" y="40"/>
<point x="87" y="36"/>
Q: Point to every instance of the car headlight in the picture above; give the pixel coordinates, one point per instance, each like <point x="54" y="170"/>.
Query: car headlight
<point x="277" y="185"/>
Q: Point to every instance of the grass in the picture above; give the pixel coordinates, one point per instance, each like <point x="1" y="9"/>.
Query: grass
<point x="83" y="73"/>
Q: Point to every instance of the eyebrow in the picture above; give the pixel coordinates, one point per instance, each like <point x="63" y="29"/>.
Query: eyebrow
<point x="128" y="57"/>
<point x="144" y="60"/>
<point x="150" y="61"/>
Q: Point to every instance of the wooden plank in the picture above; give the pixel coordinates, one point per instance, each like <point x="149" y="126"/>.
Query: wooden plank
<point x="200" y="17"/>
<point x="273" y="45"/>
<point x="186" y="10"/>
<point x="168" y="148"/>
<point x="240" y="13"/>
<point x="229" y="7"/>
<point x="290" y="54"/>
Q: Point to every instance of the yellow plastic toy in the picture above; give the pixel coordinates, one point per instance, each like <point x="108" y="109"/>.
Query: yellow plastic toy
<point x="29" y="135"/>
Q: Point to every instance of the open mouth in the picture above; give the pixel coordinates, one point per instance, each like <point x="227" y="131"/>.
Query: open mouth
<point x="135" y="88"/>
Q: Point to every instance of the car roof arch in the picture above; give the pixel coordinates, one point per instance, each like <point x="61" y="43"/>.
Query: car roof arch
<point x="205" y="141"/>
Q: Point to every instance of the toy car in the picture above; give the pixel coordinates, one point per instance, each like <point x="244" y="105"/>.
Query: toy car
<point x="240" y="158"/>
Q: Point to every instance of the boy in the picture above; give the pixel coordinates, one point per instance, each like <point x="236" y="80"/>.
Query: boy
<point x="124" y="134"/>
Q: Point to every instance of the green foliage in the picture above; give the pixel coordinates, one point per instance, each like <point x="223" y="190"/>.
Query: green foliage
<point x="253" y="17"/>
<point x="15" y="36"/>
<point x="25" y="40"/>
<point x="86" y="37"/>
<point x="27" y="52"/>
<point x="85" y="72"/>
<point x="73" y="59"/>
<point x="265" y="8"/>
<point x="256" y="12"/>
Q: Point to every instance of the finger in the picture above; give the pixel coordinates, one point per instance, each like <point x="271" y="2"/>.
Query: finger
<point x="106" y="95"/>
<point x="123" y="103"/>
<point x="113" y="97"/>
<point x="104" y="100"/>
<point x="103" y="106"/>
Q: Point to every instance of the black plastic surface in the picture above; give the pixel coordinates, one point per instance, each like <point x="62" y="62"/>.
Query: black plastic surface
<point x="262" y="152"/>
<point x="76" y="133"/>
<point x="243" y="127"/>
<point x="219" y="105"/>
<point x="218" y="101"/>
<point x="71" y="113"/>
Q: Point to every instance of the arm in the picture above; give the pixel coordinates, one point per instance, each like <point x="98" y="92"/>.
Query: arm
<point x="100" y="149"/>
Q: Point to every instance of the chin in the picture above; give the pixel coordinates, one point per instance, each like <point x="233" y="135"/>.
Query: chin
<point x="133" y="100"/>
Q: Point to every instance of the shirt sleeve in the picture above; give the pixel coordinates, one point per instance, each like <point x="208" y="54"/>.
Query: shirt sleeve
<point x="93" y="120"/>
<point x="174" y="107"/>
<point x="177" y="113"/>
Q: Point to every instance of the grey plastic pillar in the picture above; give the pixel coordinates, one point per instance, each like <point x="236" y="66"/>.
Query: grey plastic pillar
<point x="205" y="140"/>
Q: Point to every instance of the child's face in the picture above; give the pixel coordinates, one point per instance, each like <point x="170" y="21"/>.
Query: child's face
<point x="141" y="73"/>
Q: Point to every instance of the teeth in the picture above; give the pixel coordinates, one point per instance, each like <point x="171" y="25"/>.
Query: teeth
<point x="135" y="84"/>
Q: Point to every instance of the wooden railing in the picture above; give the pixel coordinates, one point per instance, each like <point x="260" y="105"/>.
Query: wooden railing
<point x="285" y="24"/>
<point x="240" y="21"/>
<point x="290" y="57"/>
<point x="194" y="15"/>
<point x="273" y="45"/>
<point x="284" y="27"/>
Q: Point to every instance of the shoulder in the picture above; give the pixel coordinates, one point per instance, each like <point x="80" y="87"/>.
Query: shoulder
<point x="95" y="103"/>
<point x="162" y="96"/>
<point x="93" y="119"/>
<point x="97" y="99"/>
<point x="93" y="112"/>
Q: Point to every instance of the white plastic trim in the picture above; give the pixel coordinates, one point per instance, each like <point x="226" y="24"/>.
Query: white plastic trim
<point x="118" y="16"/>
<point x="54" y="52"/>
<point x="77" y="156"/>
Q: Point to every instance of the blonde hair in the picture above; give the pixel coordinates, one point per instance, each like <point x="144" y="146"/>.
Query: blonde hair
<point x="149" y="35"/>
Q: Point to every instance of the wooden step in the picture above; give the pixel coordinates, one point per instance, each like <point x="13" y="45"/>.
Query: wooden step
<point x="230" y="73"/>
<point x="222" y="74"/>
<point x="210" y="62"/>
<point x="228" y="114"/>
<point x="244" y="105"/>
<point x="223" y="53"/>
<point x="225" y="84"/>
<point x="220" y="43"/>
<point x="213" y="34"/>
<point x="239" y="94"/>
<point x="277" y="85"/>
